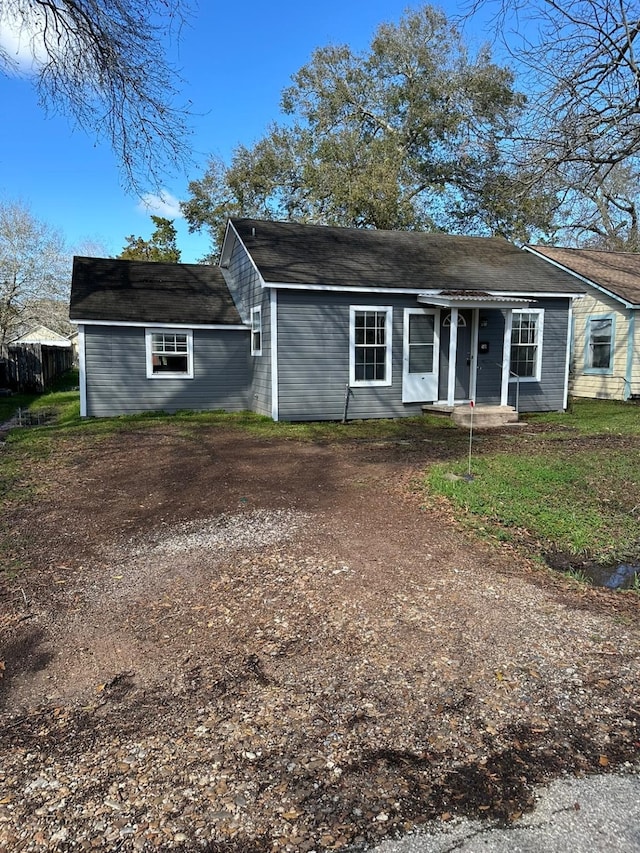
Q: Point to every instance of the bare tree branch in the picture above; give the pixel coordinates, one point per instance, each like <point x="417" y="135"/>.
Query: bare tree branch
<point x="581" y="138"/>
<point x="100" y="62"/>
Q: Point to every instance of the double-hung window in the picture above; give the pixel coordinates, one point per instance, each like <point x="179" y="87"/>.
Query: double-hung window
<point x="526" y="344"/>
<point x="169" y="353"/>
<point x="599" y="354"/>
<point x="256" y="331"/>
<point x="370" y="345"/>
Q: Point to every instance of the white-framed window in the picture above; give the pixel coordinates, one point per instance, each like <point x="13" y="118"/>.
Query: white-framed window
<point x="526" y="344"/>
<point x="169" y="353"/>
<point x="256" y="331"/>
<point x="370" y="344"/>
<point x="599" y="344"/>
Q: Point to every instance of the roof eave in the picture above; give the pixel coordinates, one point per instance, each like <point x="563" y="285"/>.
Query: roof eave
<point x="582" y="278"/>
<point x="158" y="324"/>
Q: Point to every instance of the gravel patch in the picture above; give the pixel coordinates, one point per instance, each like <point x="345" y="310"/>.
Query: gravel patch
<point x="256" y="528"/>
<point x="192" y="549"/>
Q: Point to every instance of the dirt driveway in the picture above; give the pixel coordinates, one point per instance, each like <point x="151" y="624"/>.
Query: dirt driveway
<point x="218" y="642"/>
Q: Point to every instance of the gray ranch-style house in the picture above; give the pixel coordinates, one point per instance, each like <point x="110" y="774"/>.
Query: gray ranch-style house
<point x="299" y="321"/>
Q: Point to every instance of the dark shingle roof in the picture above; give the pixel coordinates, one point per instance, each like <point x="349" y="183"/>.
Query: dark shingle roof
<point x="617" y="272"/>
<point x="288" y="253"/>
<point x="140" y="291"/>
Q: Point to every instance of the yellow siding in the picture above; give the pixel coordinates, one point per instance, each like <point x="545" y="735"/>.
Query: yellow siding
<point x="612" y="385"/>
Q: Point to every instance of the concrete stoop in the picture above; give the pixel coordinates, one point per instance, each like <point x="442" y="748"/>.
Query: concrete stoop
<point x="484" y="417"/>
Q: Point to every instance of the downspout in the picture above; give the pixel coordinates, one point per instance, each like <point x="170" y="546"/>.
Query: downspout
<point x="82" y="371"/>
<point x="273" y="308"/>
<point x="569" y="350"/>
<point x="631" y="335"/>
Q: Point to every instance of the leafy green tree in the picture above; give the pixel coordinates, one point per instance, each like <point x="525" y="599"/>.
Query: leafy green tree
<point x="409" y="134"/>
<point x="161" y="247"/>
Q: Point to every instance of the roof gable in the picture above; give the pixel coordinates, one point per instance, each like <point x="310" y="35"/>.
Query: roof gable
<point x="287" y="253"/>
<point x="40" y="334"/>
<point x="110" y="289"/>
<point x="616" y="272"/>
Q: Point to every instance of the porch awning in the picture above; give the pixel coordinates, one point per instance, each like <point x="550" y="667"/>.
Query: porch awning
<point x="471" y="299"/>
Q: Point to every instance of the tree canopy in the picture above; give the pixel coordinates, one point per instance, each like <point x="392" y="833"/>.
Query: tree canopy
<point x="409" y="134"/>
<point x="101" y="63"/>
<point x="162" y="246"/>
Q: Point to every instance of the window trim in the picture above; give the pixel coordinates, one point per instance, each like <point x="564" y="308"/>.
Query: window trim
<point x="256" y="329"/>
<point x="148" y="336"/>
<point x="598" y="371"/>
<point x="539" y="343"/>
<point x="388" y="335"/>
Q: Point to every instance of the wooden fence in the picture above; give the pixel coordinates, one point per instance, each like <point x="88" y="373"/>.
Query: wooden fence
<point x="32" y="368"/>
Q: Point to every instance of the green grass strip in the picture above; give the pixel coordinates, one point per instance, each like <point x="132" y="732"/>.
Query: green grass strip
<point x="582" y="503"/>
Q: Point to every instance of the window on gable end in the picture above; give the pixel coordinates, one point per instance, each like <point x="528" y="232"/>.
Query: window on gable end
<point x="256" y="331"/>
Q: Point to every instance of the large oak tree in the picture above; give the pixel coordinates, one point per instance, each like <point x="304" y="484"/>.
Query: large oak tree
<point x="161" y="247"/>
<point x="409" y="134"/>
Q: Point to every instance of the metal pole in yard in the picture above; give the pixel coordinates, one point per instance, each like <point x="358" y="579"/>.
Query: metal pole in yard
<point x="346" y="402"/>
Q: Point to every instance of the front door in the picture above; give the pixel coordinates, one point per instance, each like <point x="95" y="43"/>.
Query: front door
<point x="420" y="359"/>
<point x="464" y="355"/>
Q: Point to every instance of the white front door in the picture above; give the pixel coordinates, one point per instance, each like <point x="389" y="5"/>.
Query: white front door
<point x="421" y="355"/>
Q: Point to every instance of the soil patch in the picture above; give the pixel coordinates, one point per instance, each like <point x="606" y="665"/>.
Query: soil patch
<point x="223" y="643"/>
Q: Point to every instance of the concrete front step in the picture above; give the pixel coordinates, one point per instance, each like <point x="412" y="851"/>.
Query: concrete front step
<point x="484" y="417"/>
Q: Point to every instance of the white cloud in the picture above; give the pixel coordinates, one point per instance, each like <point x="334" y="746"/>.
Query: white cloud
<point x="22" y="43"/>
<point x="161" y="204"/>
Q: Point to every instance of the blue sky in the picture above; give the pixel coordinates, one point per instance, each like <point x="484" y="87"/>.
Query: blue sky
<point x="235" y="60"/>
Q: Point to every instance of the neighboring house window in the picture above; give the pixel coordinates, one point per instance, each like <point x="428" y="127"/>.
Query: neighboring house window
<point x="169" y="353"/>
<point x="256" y="331"/>
<point x="370" y="345"/>
<point x="526" y="344"/>
<point x="600" y="344"/>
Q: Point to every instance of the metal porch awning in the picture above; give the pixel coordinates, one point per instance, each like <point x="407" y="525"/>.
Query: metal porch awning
<point x="471" y="299"/>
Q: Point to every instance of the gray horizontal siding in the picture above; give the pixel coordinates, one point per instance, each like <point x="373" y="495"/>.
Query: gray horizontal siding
<point x="313" y="358"/>
<point x="246" y="289"/>
<point x="260" y="388"/>
<point x="115" y="364"/>
<point x="546" y="395"/>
